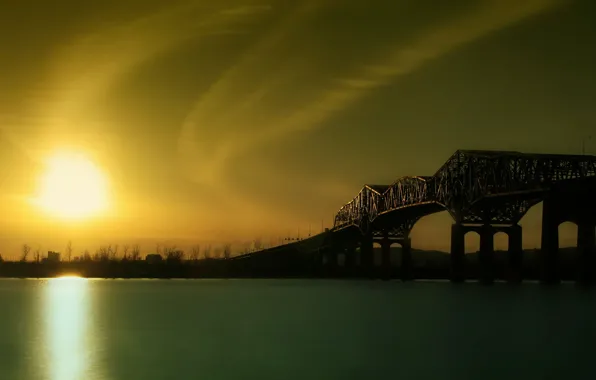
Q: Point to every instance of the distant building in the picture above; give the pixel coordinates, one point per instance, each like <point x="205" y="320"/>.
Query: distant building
<point x="153" y="258"/>
<point x="53" y="256"/>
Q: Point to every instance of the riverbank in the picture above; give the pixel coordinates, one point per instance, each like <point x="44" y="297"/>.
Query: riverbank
<point x="260" y="268"/>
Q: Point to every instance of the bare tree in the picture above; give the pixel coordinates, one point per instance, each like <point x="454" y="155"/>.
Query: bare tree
<point x="207" y="252"/>
<point x="217" y="252"/>
<point x="103" y="254"/>
<point x="171" y="253"/>
<point x="175" y="255"/>
<point x="135" y="253"/>
<point x="195" y="252"/>
<point x="125" y="249"/>
<point x="227" y="251"/>
<point x="37" y="255"/>
<point x="158" y="248"/>
<point x="113" y="251"/>
<point x="68" y="250"/>
<point x="26" y="249"/>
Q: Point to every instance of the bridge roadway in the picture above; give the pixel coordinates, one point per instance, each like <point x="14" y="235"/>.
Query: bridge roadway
<point x="298" y="259"/>
<point x="485" y="192"/>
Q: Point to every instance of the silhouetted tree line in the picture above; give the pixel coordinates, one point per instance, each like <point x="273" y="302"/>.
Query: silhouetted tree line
<point x="114" y="261"/>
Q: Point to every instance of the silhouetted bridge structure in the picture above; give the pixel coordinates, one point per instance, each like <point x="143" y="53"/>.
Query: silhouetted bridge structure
<point x="485" y="192"/>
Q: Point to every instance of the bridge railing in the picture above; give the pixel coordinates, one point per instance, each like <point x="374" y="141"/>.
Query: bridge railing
<point x="408" y="191"/>
<point x="469" y="176"/>
<point x="361" y="210"/>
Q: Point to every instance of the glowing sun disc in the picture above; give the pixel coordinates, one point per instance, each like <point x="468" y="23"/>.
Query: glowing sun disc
<point x="72" y="187"/>
<point x="70" y="278"/>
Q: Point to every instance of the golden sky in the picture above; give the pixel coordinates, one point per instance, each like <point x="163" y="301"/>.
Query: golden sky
<point x="228" y="120"/>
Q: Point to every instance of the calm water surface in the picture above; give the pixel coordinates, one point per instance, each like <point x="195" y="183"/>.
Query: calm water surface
<point x="261" y="329"/>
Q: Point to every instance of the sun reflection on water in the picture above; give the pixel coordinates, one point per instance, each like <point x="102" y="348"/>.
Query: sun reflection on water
<point x="66" y="314"/>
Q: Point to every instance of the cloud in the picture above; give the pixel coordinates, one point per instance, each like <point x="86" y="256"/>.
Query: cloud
<point x="246" y="10"/>
<point x="213" y="107"/>
<point x="87" y="68"/>
<point x="243" y="122"/>
<point x="404" y="59"/>
<point x="273" y="91"/>
<point x="97" y="57"/>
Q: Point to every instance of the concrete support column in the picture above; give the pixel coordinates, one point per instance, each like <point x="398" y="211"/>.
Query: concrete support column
<point x="317" y="263"/>
<point x="549" y="244"/>
<point x="458" y="271"/>
<point x="515" y="255"/>
<point x="321" y="258"/>
<point x="366" y="255"/>
<point x="350" y="257"/>
<point x="487" y="255"/>
<point x="586" y="245"/>
<point x="331" y="261"/>
<point x="386" y="259"/>
<point x="406" y="260"/>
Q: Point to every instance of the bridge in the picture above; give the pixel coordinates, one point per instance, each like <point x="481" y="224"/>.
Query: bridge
<point x="486" y="192"/>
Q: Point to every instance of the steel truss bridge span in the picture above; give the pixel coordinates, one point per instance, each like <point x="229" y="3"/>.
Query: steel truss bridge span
<point x="474" y="186"/>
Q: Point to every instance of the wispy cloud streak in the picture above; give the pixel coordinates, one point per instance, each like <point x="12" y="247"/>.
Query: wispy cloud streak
<point x="84" y="70"/>
<point x="218" y="109"/>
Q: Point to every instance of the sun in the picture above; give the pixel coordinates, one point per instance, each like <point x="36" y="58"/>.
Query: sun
<point x="72" y="187"/>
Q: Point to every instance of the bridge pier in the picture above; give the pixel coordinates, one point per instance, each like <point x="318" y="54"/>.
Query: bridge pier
<point x="386" y="259"/>
<point x="350" y="261"/>
<point x="487" y="255"/>
<point x="366" y="256"/>
<point x="405" y="272"/>
<point x="331" y="263"/>
<point x="515" y="255"/>
<point x="586" y="245"/>
<point x="406" y="260"/>
<point x="457" y="254"/>
<point x="549" y="249"/>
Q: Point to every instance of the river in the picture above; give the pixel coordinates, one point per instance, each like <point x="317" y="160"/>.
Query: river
<point x="71" y="329"/>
